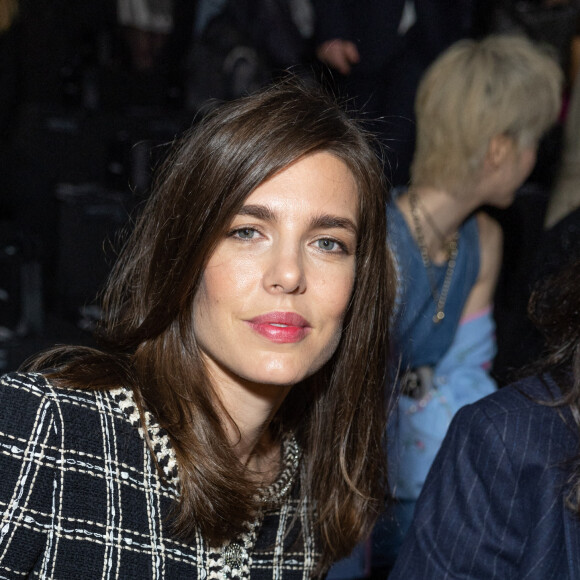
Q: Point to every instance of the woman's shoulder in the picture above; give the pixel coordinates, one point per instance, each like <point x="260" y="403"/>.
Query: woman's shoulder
<point x="85" y="415"/>
<point x="34" y="389"/>
<point x="27" y="398"/>
<point x="79" y="419"/>
<point x="29" y="391"/>
<point x="490" y="239"/>
<point x="486" y="242"/>
<point x="34" y="384"/>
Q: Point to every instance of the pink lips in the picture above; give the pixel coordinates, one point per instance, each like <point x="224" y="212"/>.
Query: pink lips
<point x="281" y="327"/>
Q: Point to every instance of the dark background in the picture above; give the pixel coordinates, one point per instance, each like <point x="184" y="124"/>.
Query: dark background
<point x="81" y="132"/>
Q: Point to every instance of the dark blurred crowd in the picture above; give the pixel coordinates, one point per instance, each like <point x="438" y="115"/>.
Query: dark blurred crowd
<point x="91" y="92"/>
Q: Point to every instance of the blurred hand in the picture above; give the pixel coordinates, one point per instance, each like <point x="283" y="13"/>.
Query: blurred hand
<point x="338" y="54"/>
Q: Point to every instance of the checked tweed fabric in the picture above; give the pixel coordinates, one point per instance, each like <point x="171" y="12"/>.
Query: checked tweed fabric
<point x="81" y="497"/>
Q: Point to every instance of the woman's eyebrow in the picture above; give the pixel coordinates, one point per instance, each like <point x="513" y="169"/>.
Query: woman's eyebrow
<point x="323" y="221"/>
<point x="326" y="221"/>
<point x="261" y="212"/>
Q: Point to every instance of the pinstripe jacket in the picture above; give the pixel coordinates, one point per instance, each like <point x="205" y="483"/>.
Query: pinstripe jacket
<point x="81" y="497"/>
<point x="493" y="504"/>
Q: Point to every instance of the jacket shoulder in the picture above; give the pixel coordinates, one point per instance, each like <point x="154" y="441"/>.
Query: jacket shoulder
<point x="529" y="395"/>
<point x="524" y="411"/>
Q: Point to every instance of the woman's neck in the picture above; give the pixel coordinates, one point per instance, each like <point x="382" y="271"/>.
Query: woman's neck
<point x="438" y="214"/>
<point x="248" y="410"/>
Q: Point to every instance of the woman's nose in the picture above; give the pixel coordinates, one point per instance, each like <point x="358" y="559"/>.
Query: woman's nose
<point x="285" y="271"/>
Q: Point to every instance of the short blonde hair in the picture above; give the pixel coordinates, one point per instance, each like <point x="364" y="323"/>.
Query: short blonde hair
<point x="501" y="85"/>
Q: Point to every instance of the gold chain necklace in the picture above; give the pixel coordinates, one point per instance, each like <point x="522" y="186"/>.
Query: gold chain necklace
<point x="439" y="298"/>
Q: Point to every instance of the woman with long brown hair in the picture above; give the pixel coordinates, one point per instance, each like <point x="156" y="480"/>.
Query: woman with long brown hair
<point x="231" y="421"/>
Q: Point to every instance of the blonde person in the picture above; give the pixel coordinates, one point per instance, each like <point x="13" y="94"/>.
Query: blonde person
<point x="231" y="424"/>
<point x="481" y="109"/>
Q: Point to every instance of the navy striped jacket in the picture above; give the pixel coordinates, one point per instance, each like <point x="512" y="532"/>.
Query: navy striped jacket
<point x="493" y="505"/>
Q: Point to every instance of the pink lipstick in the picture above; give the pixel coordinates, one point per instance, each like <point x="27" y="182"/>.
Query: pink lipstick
<point x="281" y="327"/>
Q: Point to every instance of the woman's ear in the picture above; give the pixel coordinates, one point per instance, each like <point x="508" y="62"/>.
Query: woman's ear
<point x="501" y="147"/>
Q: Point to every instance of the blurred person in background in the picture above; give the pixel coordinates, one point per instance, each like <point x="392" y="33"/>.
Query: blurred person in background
<point x="146" y="26"/>
<point x="377" y="52"/>
<point x="503" y="496"/>
<point x="481" y="110"/>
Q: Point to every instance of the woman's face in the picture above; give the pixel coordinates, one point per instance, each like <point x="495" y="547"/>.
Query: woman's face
<point x="274" y="293"/>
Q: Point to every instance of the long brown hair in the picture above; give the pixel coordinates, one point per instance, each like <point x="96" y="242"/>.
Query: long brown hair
<point x="148" y="339"/>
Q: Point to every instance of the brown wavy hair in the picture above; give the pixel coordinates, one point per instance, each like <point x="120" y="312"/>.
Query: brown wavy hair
<point x="148" y="339"/>
<point x="554" y="308"/>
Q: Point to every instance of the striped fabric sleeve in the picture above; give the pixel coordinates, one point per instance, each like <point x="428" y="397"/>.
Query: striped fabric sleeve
<point x="29" y="487"/>
<point x="468" y="502"/>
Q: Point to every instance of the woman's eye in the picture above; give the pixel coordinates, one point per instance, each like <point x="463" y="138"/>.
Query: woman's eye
<point x="245" y="233"/>
<point x="329" y="245"/>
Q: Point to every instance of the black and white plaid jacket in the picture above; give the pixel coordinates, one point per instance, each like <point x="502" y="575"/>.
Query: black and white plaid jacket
<point x="81" y="497"/>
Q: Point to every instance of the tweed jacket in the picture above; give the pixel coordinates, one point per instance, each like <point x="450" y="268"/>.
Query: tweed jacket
<point x="81" y="497"/>
<point x="493" y="506"/>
